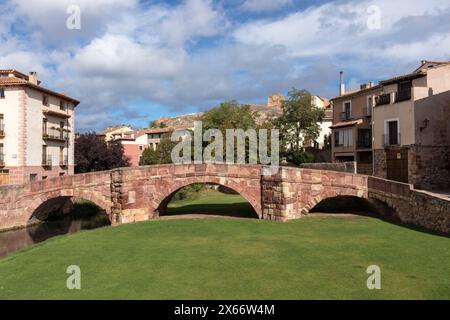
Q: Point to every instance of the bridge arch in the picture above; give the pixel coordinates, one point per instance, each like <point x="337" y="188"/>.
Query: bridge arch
<point x="44" y="204"/>
<point x="165" y="196"/>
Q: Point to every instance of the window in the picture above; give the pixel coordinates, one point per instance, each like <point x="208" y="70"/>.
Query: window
<point x="44" y="126"/>
<point x="2" y="125"/>
<point x="369" y="106"/>
<point x="2" y="93"/>
<point x="391" y="132"/>
<point x="45" y="101"/>
<point x="33" y="176"/>
<point x="44" y="155"/>
<point x="62" y="105"/>
<point x="343" y="138"/>
<point x="61" y="130"/>
<point x="347" y="112"/>
<point x="61" y="155"/>
<point x="364" y="138"/>
<point x="141" y="148"/>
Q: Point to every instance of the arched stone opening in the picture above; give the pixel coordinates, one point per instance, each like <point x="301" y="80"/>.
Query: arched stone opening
<point x="343" y="204"/>
<point x="65" y="214"/>
<point x="214" y="200"/>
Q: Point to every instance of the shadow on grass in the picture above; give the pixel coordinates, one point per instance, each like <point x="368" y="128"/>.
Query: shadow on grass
<point x="238" y="210"/>
<point x="362" y="207"/>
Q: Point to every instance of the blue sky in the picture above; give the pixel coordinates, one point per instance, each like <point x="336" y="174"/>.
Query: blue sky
<point x="134" y="61"/>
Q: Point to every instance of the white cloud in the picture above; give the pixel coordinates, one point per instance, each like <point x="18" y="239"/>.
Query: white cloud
<point x="127" y="51"/>
<point x="336" y="28"/>
<point x="265" y="5"/>
<point x="194" y="18"/>
<point x="118" y="56"/>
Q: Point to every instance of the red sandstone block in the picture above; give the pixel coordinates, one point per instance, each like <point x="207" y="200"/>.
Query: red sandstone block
<point x="200" y="167"/>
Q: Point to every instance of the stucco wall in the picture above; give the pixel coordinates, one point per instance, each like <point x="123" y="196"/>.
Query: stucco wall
<point x="9" y="109"/>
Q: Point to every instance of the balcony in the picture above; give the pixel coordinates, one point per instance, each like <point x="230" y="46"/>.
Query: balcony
<point x="57" y="114"/>
<point x="47" y="160"/>
<point x="403" y="95"/>
<point x="2" y="160"/>
<point x="2" y="130"/>
<point x="383" y="99"/>
<point x="63" y="161"/>
<point x="391" y="140"/>
<point x="345" y="116"/>
<point x="55" y="134"/>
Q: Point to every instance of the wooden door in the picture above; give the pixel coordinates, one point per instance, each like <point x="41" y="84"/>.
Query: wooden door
<point x="4" y="177"/>
<point x="397" y="165"/>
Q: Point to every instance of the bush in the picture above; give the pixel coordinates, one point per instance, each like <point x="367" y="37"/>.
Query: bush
<point x="189" y="192"/>
<point x="299" y="157"/>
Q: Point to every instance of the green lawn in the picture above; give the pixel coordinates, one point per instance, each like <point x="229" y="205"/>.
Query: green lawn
<point x="213" y="202"/>
<point x="311" y="258"/>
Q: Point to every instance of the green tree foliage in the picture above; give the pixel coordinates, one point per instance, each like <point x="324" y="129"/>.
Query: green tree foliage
<point x="92" y="153"/>
<point x="162" y="154"/>
<point x="229" y="115"/>
<point x="298" y="123"/>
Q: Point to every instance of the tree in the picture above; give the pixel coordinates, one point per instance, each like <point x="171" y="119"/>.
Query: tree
<point x="157" y="124"/>
<point x="299" y="122"/>
<point x="162" y="154"/>
<point x="92" y="153"/>
<point x="229" y="115"/>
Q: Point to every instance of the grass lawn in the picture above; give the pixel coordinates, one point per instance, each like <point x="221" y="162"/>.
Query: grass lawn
<point x="213" y="202"/>
<point x="311" y="258"/>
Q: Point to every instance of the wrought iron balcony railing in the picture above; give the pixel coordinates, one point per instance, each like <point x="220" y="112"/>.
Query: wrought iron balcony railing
<point x="391" y="140"/>
<point x="47" y="160"/>
<point x="55" y="134"/>
<point x="383" y="99"/>
<point x="64" y="161"/>
<point x="345" y="115"/>
<point x="403" y="95"/>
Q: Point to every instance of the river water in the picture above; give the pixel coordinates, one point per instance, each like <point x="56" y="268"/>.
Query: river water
<point x="13" y="240"/>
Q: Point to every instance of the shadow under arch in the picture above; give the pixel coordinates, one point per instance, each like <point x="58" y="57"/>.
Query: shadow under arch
<point x="353" y="205"/>
<point x="238" y="209"/>
<point x="64" y="215"/>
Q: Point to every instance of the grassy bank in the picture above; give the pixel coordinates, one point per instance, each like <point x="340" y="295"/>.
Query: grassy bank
<point x="316" y="257"/>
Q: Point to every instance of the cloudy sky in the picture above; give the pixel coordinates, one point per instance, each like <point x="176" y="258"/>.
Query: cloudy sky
<point x="133" y="61"/>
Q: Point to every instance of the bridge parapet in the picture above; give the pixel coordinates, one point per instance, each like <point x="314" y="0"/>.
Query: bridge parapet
<point x="410" y="206"/>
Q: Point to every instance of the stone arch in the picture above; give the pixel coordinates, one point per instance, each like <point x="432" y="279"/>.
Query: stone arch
<point x="305" y="210"/>
<point x="164" y="196"/>
<point x="41" y="205"/>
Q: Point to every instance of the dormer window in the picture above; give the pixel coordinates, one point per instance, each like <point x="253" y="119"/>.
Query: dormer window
<point x="45" y="101"/>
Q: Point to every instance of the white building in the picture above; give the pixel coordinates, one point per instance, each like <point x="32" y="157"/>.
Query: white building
<point x="36" y="130"/>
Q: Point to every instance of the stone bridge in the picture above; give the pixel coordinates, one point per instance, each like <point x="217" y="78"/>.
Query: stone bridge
<point x="137" y="194"/>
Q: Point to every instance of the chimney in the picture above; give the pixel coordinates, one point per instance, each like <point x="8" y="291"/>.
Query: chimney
<point x="342" y="85"/>
<point x="32" y="78"/>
